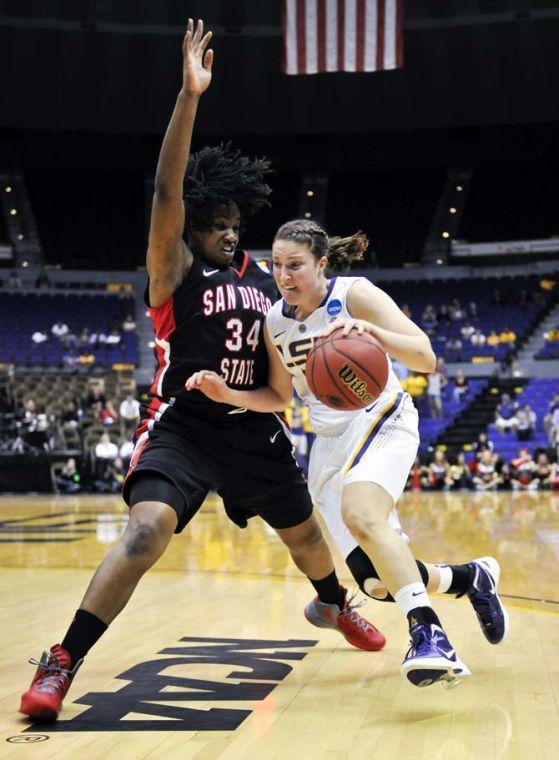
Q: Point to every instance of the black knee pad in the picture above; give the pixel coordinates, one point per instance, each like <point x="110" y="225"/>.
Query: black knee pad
<point x="363" y="570"/>
<point x="423" y="571"/>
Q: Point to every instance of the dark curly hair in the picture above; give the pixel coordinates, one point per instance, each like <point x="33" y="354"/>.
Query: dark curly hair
<point x="340" y="251"/>
<point x="218" y="176"/>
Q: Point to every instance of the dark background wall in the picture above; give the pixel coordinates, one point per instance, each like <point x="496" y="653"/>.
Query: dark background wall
<point x="114" y="67"/>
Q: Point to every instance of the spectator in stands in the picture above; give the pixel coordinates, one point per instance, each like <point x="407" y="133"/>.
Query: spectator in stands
<point x="113" y="338"/>
<point x="86" y="359"/>
<point x="407" y="311"/>
<point x="83" y="339"/>
<point x="486" y="477"/>
<point x="493" y="339"/>
<point x="111" y="479"/>
<point x="515" y="370"/>
<point x="545" y="473"/>
<point x="478" y="338"/>
<point x="129" y="323"/>
<point x="453" y="349"/>
<point x="435" y="384"/>
<point x="129" y="412"/>
<point x="415" y="385"/>
<point x="39" y="337"/>
<point x="467" y="330"/>
<point x="125" y="452"/>
<point x="508" y="336"/>
<point x="439" y="472"/>
<point x="28" y="416"/>
<point x="460" y="386"/>
<point x="505" y="414"/>
<point x="552" y="335"/>
<point x="460" y="473"/>
<point x="551" y="423"/>
<point x="522" y="472"/>
<point x="105" y="452"/>
<point x="69" y="479"/>
<point x="70" y="359"/>
<point x="443" y="314"/>
<point x="526" y="423"/>
<point x="482" y="444"/>
<point x="473" y="309"/>
<point x="59" y="329"/>
<point x="71" y="416"/>
<point x="94" y="397"/>
<point x="429" y="317"/>
<point x="457" y="313"/>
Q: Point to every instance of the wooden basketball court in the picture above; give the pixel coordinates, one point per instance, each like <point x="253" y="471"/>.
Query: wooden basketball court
<point x="214" y="659"/>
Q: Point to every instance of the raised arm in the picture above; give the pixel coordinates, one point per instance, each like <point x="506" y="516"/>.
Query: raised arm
<point x="168" y="257"/>
<point x="273" y="397"/>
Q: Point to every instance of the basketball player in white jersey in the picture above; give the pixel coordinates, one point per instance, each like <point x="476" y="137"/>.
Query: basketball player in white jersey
<point x="361" y="459"/>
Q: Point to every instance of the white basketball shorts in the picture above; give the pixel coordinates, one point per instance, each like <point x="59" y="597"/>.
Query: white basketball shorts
<point x="380" y="450"/>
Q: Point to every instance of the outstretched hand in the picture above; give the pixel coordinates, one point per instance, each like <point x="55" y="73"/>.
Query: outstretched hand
<point x="197" y="61"/>
<point x="210" y="384"/>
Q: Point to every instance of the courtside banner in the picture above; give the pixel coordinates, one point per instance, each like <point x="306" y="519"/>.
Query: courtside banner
<point x="341" y="35"/>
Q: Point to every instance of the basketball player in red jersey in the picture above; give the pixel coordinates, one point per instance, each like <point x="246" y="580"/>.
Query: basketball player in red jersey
<point x="208" y="303"/>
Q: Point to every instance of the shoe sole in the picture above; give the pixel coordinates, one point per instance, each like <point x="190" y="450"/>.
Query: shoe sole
<point x="431" y="670"/>
<point x="495" y="570"/>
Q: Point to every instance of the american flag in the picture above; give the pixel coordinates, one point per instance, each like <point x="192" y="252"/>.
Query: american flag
<point x="341" y="35"/>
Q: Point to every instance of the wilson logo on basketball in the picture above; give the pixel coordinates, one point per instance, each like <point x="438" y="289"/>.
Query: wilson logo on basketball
<point x="355" y="384"/>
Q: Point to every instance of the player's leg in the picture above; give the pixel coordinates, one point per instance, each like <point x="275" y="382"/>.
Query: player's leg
<point x="431" y="658"/>
<point x="266" y="481"/>
<point x="149" y="530"/>
<point x="331" y="608"/>
<point x="477" y="579"/>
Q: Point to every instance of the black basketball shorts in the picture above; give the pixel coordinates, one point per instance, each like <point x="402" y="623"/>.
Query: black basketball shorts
<point x="247" y="458"/>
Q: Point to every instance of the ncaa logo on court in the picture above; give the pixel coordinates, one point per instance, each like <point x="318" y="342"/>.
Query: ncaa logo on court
<point x="334" y="307"/>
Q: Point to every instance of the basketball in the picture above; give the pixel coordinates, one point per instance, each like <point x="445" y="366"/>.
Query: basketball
<point x="347" y="372"/>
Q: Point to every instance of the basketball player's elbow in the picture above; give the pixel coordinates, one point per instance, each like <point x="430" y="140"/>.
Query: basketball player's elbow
<point x="426" y="360"/>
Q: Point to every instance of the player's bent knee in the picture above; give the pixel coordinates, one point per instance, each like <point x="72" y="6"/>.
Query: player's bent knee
<point x="146" y="538"/>
<point x="303" y="538"/>
<point x="360" y="521"/>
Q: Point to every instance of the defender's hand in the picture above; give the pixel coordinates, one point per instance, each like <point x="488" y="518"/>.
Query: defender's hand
<point x="211" y="385"/>
<point x="197" y="62"/>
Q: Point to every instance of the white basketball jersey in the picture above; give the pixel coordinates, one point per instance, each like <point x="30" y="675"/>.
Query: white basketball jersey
<point x="294" y="339"/>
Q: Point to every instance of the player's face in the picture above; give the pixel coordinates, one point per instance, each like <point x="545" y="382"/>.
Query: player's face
<point x="298" y="274"/>
<point x="217" y="246"/>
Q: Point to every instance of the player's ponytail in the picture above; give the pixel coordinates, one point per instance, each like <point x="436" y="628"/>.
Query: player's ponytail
<point x="339" y="251"/>
<point x="342" y="251"/>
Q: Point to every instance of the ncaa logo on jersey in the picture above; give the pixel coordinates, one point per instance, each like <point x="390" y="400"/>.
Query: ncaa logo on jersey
<point x="334" y="307"/>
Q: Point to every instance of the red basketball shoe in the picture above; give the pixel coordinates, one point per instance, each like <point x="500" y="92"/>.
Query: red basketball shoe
<point x="358" y="631"/>
<point x="43" y="700"/>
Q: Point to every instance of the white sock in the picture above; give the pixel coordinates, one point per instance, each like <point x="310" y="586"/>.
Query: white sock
<point x="411" y="596"/>
<point x="446" y="579"/>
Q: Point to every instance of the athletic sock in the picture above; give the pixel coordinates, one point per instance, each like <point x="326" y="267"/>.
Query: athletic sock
<point x="84" y="631"/>
<point x="329" y="590"/>
<point x="455" y="579"/>
<point x="414" y="602"/>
